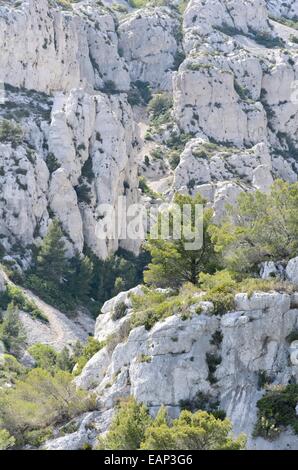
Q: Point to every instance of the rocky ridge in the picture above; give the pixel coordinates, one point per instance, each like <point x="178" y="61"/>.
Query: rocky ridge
<point x="72" y="139"/>
<point x="178" y="352"/>
<point x="68" y="78"/>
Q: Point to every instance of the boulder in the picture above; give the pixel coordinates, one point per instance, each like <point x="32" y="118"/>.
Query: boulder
<point x="2" y="283"/>
<point x="270" y="270"/>
<point x="292" y="271"/>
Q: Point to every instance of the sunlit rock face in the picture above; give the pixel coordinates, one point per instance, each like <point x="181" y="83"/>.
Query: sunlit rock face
<point x="176" y="354"/>
<point x="69" y="74"/>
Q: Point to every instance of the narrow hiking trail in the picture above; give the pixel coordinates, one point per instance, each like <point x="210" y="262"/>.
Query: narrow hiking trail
<point x="60" y="331"/>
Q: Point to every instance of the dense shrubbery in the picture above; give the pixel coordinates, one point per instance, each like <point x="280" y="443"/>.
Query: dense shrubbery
<point x="6" y="440"/>
<point x="172" y="262"/>
<point x="276" y="410"/>
<point x="134" y="429"/>
<point x="10" y="132"/>
<point x="38" y="401"/>
<point x="219" y="288"/>
<point x="82" y="280"/>
<point x="12" y="332"/>
<point x="14" y="295"/>
<point x="260" y="227"/>
<point x="48" y="359"/>
<point x="159" y="109"/>
<point x="10" y="371"/>
<point x="155" y="306"/>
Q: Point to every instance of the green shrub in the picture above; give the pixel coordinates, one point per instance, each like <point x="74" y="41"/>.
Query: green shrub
<point x="265" y="228"/>
<point x="203" y="402"/>
<point x="223" y="302"/>
<point x="10" y="371"/>
<point x="294" y="39"/>
<point x="15" y="294"/>
<point x="213" y="360"/>
<point x="144" y="90"/>
<point x="128" y="427"/>
<point x="155" y="306"/>
<point x="159" y="104"/>
<point x="143" y="186"/>
<point x="38" y="437"/>
<point x="263" y="379"/>
<point x="276" y="410"/>
<point x="133" y="429"/>
<point x="87" y="170"/>
<point x="6" y="440"/>
<point x="293" y="336"/>
<point x="174" y="158"/>
<point x="243" y="93"/>
<point x="119" y="311"/>
<point x="110" y="87"/>
<point x="133" y="97"/>
<point x="41" y="400"/>
<point x="10" y="132"/>
<point x="12" y="332"/>
<point x="52" y="163"/>
<point x="48" y="359"/>
<point x="83" y="193"/>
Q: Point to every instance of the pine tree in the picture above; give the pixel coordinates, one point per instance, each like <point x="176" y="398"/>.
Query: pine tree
<point x="80" y="276"/>
<point x="52" y="264"/>
<point x="12" y="331"/>
<point x="172" y="262"/>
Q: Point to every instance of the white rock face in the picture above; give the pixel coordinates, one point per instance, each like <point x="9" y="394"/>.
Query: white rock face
<point x="270" y="270"/>
<point x="205" y="99"/>
<point x="48" y="49"/>
<point x="87" y="139"/>
<point x="105" y="324"/>
<point x="79" y="140"/>
<point x="81" y="145"/>
<point x="64" y="204"/>
<point x="2" y="283"/>
<point x="201" y="163"/>
<point x="148" y="41"/>
<point x="175" y="354"/>
<point x="24" y="184"/>
<point x="279" y="8"/>
<point x="292" y="271"/>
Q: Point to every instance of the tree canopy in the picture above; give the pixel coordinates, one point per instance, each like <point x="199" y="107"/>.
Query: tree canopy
<point x="133" y="429"/>
<point x="172" y="262"/>
<point x="260" y="227"/>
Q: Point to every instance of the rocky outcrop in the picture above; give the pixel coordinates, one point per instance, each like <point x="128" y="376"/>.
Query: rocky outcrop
<point x="2" y="283"/>
<point x="292" y="271"/>
<point x="72" y="140"/>
<point x="69" y="74"/>
<point x="149" y="41"/>
<point x="279" y="8"/>
<point x="220" y="357"/>
<point x="220" y="174"/>
<point x="50" y="49"/>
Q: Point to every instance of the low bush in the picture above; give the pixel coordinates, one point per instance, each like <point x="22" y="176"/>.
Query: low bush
<point x="155" y="306"/>
<point x="134" y="429"/>
<point x="119" y="311"/>
<point x="15" y="294"/>
<point x="160" y="104"/>
<point x="41" y="400"/>
<point x="10" y="132"/>
<point x="277" y="410"/>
